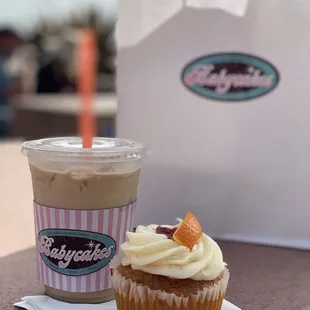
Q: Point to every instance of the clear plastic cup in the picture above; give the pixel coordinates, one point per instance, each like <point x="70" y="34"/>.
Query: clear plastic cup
<point x="84" y="202"/>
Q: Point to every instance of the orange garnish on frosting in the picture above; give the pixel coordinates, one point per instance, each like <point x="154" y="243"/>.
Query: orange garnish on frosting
<point x="189" y="231"/>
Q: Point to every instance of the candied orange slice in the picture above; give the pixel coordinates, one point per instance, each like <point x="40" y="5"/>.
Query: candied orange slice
<point x="189" y="231"/>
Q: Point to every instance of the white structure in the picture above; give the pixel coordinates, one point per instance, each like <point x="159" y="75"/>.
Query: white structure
<point x="241" y="166"/>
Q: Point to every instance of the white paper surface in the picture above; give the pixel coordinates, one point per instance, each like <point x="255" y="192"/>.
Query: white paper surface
<point x="240" y="167"/>
<point x="139" y="18"/>
<point x="47" y="303"/>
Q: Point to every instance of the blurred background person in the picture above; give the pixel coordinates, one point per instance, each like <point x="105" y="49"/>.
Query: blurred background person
<point x="53" y="78"/>
<point x="23" y="63"/>
<point x="44" y="69"/>
<point x="9" y="84"/>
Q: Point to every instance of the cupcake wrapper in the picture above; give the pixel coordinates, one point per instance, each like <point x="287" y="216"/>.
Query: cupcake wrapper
<point x="133" y="296"/>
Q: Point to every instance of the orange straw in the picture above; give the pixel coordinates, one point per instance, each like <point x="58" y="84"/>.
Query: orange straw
<point x="86" y="86"/>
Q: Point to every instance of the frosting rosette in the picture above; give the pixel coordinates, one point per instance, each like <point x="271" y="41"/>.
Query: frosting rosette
<point x="151" y="249"/>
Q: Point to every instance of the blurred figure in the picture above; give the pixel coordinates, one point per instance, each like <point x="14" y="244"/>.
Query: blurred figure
<point x="53" y="78"/>
<point x="9" y="84"/>
<point x="24" y="64"/>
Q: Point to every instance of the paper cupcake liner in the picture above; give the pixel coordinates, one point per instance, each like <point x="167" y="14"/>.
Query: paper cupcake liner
<point x="135" y="296"/>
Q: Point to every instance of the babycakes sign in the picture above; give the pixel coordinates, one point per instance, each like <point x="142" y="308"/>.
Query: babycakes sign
<point x="230" y="76"/>
<point x="75" y="252"/>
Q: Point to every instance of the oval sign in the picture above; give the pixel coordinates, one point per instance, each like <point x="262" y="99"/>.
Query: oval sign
<point x="230" y="76"/>
<point x="75" y="252"/>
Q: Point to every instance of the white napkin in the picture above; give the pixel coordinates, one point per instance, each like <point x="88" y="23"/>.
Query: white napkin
<point x="47" y="303"/>
<point x="137" y="19"/>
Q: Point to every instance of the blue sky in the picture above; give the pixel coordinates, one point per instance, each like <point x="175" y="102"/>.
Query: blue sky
<point x="26" y="13"/>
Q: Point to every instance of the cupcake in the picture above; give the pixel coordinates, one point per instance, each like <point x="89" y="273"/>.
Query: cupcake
<point x="170" y="267"/>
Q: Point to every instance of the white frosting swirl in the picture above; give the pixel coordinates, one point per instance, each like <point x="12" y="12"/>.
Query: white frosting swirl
<point x="154" y="253"/>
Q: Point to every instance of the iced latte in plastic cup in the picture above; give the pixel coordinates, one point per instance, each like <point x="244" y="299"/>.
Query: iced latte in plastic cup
<point x="84" y="202"/>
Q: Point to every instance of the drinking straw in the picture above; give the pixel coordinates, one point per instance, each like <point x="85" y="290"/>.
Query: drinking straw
<point x="86" y="85"/>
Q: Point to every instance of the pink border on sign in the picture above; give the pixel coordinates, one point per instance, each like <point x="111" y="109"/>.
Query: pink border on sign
<point x="112" y="222"/>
